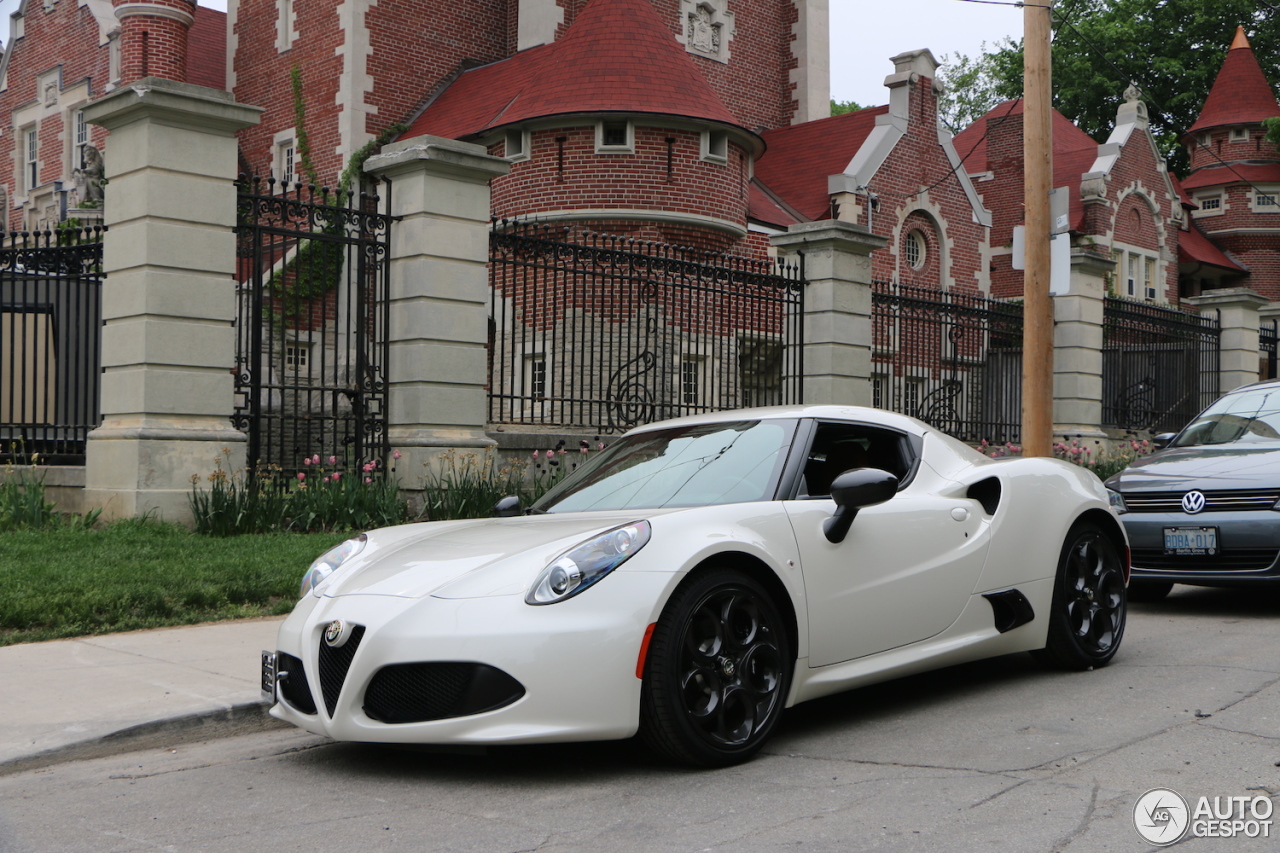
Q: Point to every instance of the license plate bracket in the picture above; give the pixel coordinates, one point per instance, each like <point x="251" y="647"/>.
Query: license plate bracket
<point x="1191" y="541"/>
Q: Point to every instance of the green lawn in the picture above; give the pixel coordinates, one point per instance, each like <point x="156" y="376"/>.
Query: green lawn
<point x="67" y="583"/>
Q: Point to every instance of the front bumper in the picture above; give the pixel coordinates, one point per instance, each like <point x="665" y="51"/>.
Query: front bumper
<point x="1249" y="545"/>
<point x="576" y="661"/>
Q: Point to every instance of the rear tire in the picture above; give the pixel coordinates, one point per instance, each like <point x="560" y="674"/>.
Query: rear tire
<point x="1149" y="591"/>
<point x="1087" y="617"/>
<point x="717" y="673"/>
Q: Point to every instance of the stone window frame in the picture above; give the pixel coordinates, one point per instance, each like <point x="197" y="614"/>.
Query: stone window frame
<point x="1239" y="134"/>
<point x="286" y="25"/>
<point x="714" y="146"/>
<point x="1138" y="261"/>
<point x="1260" y="193"/>
<point x="28" y="165"/>
<point x="629" y="147"/>
<point x="284" y="150"/>
<point x="1215" y="196"/>
<point x="522" y="145"/>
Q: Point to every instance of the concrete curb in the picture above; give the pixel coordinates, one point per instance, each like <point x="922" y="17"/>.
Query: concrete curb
<point x="246" y="718"/>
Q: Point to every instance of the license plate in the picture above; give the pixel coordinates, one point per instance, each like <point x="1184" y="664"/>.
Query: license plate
<point x="269" y="677"/>
<point x="1191" y="541"/>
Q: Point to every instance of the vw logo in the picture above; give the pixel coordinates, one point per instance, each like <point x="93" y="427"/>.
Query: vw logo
<point x="1192" y="502"/>
<point x="336" y="633"/>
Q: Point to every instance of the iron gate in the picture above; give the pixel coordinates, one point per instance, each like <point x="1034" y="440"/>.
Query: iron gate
<point x="953" y="360"/>
<point x="311" y="330"/>
<point x="50" y="343"/>
<point x="1159" y="365"/>
<point x="606" y="332"/>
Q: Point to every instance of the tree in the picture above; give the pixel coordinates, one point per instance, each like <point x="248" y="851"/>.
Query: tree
<point x="1172" y="50"/>
<point x="839" y="108"/>
<point x="971" y="87"/>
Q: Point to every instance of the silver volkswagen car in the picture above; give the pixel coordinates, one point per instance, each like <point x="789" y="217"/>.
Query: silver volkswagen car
<point x="1205" y="510"/>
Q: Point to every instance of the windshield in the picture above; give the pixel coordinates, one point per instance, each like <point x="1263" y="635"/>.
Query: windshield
<point x="702" y="465"/>
<point x="1251" y="417"/>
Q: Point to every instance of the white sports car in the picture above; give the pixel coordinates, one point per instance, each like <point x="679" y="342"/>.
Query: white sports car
<point x="697" y="577"/>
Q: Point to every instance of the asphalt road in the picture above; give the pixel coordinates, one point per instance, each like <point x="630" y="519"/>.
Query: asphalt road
<point x="998" y="755"/>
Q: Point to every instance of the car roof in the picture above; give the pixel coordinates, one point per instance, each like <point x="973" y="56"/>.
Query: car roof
<point x="861" y="414"/>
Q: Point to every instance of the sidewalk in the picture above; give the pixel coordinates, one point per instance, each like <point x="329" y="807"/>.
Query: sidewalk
<point x="89" y="696"/>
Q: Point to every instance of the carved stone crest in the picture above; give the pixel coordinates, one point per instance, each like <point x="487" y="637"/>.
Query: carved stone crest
<point x="706" y="28"/>
<point x="51" y="93"/>
<point x="703" y="34"/>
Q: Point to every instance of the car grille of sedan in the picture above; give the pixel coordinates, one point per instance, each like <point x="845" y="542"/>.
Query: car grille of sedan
<point x="420" y="692"/>
<point x="1224" y="501"/>
<point x="334" y="663"/>
<point x="1239" y="560"/>
<point x="294" y="688"/>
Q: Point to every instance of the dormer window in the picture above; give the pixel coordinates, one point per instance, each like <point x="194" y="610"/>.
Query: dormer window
<point x="715" y="146"/>
<point x="615" y="137"/>
<point x="1239" y="134"/>
<point x="517" y="145"/>
<point x="1210" y="205"/>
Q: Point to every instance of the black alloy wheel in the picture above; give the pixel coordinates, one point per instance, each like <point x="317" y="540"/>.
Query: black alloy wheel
<point x="1089" y="602"/>
<point x="718" y="671"/>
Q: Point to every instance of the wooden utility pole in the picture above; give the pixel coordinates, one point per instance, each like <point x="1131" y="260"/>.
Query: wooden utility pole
<point x="1037" y="149"/>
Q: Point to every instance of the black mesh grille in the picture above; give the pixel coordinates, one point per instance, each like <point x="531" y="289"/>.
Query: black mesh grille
<point x="419" y="692"/>
<point x="294" y="688"/>
<point x="1228" y="561"/>
<point x="334" y="664"/>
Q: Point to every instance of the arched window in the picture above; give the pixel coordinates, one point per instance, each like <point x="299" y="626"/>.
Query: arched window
<point x="913" y="247"/>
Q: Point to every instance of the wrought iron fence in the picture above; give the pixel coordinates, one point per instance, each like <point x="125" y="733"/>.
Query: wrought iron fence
<point x="607" y="332"/>
<point x="1267" y="335"/>
<point x="1159" y="365"/>
<point x="953" y="360"/>
<point x="311" y="330"/>
<point x="50" y="345"/>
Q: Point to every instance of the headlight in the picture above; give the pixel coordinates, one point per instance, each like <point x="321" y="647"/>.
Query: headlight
<point x="1117" y="501"/>
<point x="328" y="562"/>
<point x="585" y="563"/>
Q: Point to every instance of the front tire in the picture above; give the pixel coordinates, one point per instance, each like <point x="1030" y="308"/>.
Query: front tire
<point x="1087" y="617"/>
<point x="718" y="671"/>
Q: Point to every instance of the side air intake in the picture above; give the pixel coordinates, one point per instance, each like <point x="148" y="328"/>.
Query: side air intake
<point x="1010" y="608"/>
<point x="987" y="493"/>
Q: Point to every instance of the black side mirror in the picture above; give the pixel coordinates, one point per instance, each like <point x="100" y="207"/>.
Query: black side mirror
<point x="508" y="507"/>
<point x="1162" y="440"/>
<point x="853" y="490"/>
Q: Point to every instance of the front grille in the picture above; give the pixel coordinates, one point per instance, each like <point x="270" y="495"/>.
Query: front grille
<point x="293" y="685"/>
<point x="420" y="692"/>
<point x="334" y="664"/>
<point x="1225" y="501"/>
<point x="1239" y="560"/>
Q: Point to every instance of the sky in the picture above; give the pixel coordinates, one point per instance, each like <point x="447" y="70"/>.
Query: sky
<point x="864" y="34"/>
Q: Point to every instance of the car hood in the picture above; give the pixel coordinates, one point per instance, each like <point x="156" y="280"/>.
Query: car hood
<point x="1205" y="467"/>
<point x="489" y="556"/>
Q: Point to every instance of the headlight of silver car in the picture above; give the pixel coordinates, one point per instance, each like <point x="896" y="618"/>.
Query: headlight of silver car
<point x="585" y="563"/>
<point x="328" y="562"/>
<point x="1117" y="501"/>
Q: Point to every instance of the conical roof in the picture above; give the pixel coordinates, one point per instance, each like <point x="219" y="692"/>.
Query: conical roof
<point x="617" y="56"/>
<point x="1241" y="93"/>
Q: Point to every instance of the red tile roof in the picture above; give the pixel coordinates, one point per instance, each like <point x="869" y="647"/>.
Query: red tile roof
<point x="971" y="143"/>
<point x="800" y="158"/>
<point x="762" y="207"/>
<point x="617" y="56"/>
<point x="1194" y="247"/>
<point x="207" y="49"/>
<point x="1239" y="173"/>
<point x="1241" y="94"/>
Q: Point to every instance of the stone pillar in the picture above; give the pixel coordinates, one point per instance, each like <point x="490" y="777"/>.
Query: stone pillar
<point x="837" y="308"/>
<point x="439" y="295"/>
<point x="153" y="38"/>
<point x="1077" y="345"/>
<point x="168" y="302"/>
<point x="1238" y="309"/>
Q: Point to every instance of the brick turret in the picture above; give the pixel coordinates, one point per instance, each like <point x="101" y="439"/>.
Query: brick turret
<point x="153" y="38"/>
